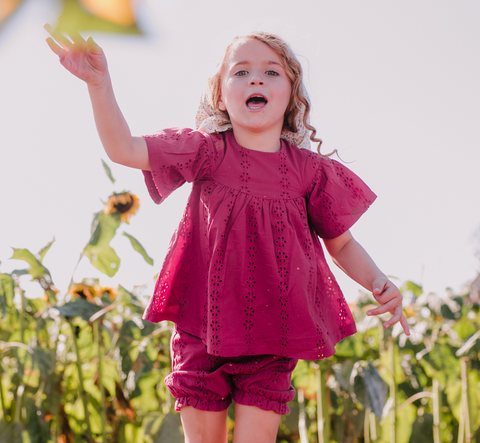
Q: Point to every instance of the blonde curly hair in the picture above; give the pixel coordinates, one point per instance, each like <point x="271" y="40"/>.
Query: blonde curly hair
<point x="294" y="72"/>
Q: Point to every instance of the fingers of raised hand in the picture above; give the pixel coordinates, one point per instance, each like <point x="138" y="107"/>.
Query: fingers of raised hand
<point x="54" y="47"/>
<point x="58" y="37"/>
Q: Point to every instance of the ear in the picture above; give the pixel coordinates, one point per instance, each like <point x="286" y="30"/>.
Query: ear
<point x="221" y="104"/>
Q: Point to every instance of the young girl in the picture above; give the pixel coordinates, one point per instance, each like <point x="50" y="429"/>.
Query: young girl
<point x="245" y="280"/>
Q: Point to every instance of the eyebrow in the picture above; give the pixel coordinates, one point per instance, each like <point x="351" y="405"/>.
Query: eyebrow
<point x="246" y="62"/>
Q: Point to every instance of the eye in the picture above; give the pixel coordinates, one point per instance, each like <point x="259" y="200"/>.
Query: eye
<point x="272" y="73"/>
<point x="241" y="73"/>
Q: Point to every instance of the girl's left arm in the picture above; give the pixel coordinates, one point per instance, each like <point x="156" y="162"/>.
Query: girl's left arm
<point x="352" y="259"/>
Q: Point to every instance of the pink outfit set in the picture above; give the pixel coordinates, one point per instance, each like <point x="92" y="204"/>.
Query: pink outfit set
<point x="245" y="274"/>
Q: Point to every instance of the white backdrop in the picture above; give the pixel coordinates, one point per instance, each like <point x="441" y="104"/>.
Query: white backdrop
<point x="394" y="87"/>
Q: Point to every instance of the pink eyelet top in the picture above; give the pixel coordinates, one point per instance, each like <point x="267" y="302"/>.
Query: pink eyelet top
<point x="245" y="270"/>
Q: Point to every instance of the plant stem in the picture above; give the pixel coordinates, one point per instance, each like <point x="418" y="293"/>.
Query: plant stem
<point x="21" y="366"/>
<point x="83" y="392"/>
<point x="2" y="398"/>
<point x="436" y="411"/>
<point x="22" y="317"/>
<point x="18" y="404"/>
<point x="393" y="391"/>
<point x="103" y="412"/>
<point x="465" y="402"/>
<point x="323" y="424"/>
<point x="373" y="426"/>
<point x="366" y="426"/>
<point x="301" y="417"/>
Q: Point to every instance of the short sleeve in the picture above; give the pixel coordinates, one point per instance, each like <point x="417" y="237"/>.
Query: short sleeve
<point x="177" y="156"/>
<point x="336" y="198"/>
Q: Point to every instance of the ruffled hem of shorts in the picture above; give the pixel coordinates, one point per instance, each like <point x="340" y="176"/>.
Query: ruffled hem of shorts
<point x="203" y="404"/>
<point x="251" y="399"/>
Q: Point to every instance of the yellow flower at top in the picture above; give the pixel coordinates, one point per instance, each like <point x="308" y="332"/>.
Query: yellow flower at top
<point x="125" y="203"/>
<point x="89" y="293"/>
<point x="110" y="292"/>
<point x="80" y="290"/>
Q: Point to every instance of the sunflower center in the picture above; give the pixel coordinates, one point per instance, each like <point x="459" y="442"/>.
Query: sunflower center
<point x="123" y="207"/>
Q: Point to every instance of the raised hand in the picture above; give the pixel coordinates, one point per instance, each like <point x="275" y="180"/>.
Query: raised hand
<point x="390" y="299"/>
<point x="84" y="59"/>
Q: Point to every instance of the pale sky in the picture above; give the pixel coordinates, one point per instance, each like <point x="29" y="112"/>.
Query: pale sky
<point x="394" y="87"/>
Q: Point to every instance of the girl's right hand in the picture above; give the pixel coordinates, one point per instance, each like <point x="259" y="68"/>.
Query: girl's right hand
<point x="84" y="59"/>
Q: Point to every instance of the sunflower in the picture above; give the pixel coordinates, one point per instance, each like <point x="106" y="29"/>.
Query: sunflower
<point x="110" y="292"/>
<point x="81" y="290"/>
<point x="89" y="293"/>
<point x="125" y="203"/>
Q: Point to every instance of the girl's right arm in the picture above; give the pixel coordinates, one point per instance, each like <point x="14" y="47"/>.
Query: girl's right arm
<point x="86" y="60"/>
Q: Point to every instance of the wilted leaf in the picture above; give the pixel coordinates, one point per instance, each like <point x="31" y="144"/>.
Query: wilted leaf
<point x="98" y="250"/>
<point x="78" y="308"/>
<point x="108" y="171"/>
<point x="370" y="389"/>
<point x="139" y="248"/>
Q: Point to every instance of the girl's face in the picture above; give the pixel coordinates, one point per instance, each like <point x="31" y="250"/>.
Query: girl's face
<point x="255" y="89"/>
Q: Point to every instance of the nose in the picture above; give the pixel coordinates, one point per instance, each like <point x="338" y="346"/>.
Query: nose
<point x="256" y="82"/>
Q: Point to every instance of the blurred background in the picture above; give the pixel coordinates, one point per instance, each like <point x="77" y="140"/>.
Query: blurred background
<point x="394" y="87"/>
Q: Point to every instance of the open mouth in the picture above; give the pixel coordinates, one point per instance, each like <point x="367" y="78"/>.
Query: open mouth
<point x="256" y="102"/>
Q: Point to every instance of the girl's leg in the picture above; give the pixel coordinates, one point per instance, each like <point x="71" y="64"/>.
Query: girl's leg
<point x="253" y="424"/>
<point x="204" y="426"/>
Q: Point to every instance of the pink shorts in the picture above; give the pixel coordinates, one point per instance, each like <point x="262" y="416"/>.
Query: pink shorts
<point x="210" y="383"/>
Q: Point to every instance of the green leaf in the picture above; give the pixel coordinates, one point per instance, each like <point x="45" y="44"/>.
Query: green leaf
<point x="78" y="308"/>
<point x="11" y="431"/>
<point x="130" y="300"/>
<point x="37" y="270"/>
<point x="139" y="248"/>
<point x="6" y="293"/>
<point x="349" y="347"/>
<point x="98" y="249"/>
<point x="36" y="425"/>
<point x="464" y="328"/>
<point x="170" y="430"/>
<point x="45" y="249"/>
<point x="44" y="360"/>
<point x="108" y="171"/>
<point x="441" y="363"/>
<point x="417" y="290"/>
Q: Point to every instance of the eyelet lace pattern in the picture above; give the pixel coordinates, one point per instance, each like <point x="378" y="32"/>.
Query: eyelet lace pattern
<point x="245" y="271"/>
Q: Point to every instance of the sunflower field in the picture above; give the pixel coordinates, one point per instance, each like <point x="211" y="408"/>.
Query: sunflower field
<point x="84" y="367"/>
